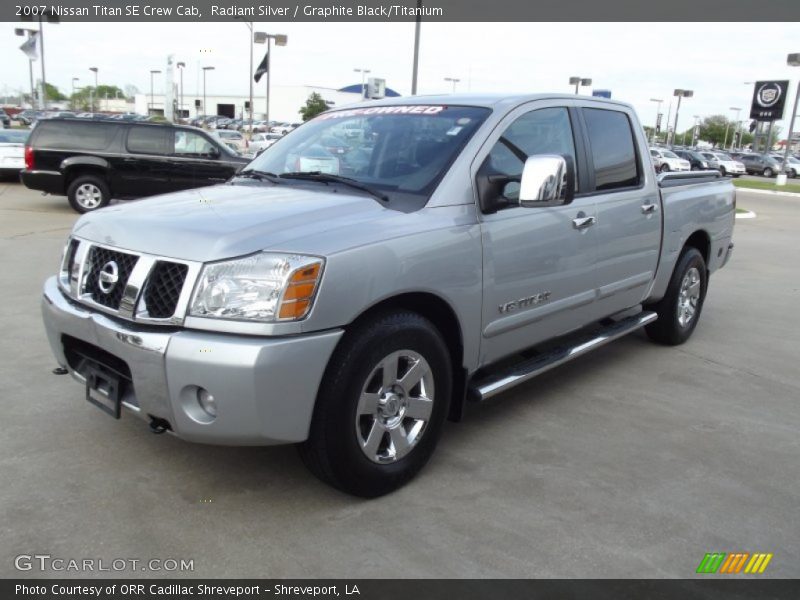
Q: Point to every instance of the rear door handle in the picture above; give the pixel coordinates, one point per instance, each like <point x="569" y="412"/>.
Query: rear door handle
<point x="649" y="208"/>
<point x="583" y="222"/>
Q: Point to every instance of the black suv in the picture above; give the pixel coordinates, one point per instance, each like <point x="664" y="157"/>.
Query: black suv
<point x="697" y="161"/>
<point x="93" y="161"/>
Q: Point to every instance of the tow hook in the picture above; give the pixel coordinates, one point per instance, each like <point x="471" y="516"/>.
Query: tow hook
<point x="60" y="371"/>
<point x="159" y="426"/>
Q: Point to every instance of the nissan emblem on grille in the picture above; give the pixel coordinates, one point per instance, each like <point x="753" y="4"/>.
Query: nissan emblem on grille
<point x="108" y="277"/>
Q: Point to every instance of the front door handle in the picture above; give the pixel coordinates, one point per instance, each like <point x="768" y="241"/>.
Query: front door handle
<point x="583" y="222"/>
<point x="649" y="209"/>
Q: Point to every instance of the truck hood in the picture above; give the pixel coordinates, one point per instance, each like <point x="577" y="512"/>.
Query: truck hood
<point x="225" y="221"/>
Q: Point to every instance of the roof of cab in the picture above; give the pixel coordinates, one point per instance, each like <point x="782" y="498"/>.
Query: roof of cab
<point x="482" y="100"/>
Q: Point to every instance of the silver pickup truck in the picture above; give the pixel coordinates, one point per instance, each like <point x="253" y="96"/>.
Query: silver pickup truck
<point x="378" y="267"/>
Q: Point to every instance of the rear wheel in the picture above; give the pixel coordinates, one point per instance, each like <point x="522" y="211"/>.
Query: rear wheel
<point x="87" y="193"/>
<point x="679" y="309"/>
<point x="381" y="405"/>
<point x="768" y="172"/>
<point x="722" y="171"/>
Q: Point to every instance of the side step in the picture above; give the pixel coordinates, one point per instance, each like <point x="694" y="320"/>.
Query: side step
<point x="504" y="379"/>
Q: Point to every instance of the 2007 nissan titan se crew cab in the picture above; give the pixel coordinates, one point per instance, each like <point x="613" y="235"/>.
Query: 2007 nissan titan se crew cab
<point x="366" y="275"/>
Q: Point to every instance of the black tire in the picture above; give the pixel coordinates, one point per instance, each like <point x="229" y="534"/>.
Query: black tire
<point x="87" y="193"/>
<point x="668" y="329"/>
<point x="767" y="172"/>
<point x="665" y="168"/>
<point x="722" y="171"/>
<point x="792" y="173"/>
<point x="333" y="450"/>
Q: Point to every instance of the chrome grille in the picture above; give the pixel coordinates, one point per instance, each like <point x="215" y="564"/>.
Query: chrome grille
<point x="148" y="289"/>
<point x="98" y="259"/>
<point x="164" y="288"/>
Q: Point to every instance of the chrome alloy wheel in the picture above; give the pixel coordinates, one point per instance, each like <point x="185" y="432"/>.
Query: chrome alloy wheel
<point x="689" y="297"/>
<point x="88" y="196"/>
<point x="395" y="406"/>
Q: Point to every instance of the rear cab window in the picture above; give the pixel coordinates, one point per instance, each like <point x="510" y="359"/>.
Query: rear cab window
<point x="612" y="149"/>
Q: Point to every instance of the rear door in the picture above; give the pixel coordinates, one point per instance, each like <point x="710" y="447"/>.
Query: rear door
<point x="538" y="265"/>
<point x="144" y="169"/>
<point x="628" y="209"/>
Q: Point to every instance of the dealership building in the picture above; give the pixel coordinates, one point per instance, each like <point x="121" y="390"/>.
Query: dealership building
<point x="285" y="102"/>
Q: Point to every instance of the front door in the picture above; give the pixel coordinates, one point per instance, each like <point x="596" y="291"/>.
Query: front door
<point x="197" y="161"/>
<point x="538" y="263"/>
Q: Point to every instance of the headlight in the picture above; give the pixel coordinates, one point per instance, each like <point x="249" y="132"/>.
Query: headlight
<point x="261" y="287"/>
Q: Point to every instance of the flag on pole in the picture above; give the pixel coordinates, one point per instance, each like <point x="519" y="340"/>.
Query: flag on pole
<point x="262" y="68"/>
<point x="31" y="47"/>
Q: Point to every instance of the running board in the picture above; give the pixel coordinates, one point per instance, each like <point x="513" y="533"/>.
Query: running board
<point x="504" y="379"/>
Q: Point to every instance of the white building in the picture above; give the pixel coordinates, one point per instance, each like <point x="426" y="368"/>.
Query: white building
<point x="284" y="105"/>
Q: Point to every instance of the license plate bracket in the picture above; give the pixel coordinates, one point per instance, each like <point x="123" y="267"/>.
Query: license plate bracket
<point x="102" y="390"/>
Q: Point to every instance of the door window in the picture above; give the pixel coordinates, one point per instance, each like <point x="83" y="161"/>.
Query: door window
<point x="148" y="140"/>
<point x="543" y="131"/>
<point x="193" y="145"/>
<point x="613" y="149"/>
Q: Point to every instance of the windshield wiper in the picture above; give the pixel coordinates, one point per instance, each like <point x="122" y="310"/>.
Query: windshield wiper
<point x="259" y="175"/>
<point x="328" y="178"/>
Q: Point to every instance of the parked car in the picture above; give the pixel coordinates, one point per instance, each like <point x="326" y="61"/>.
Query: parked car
<point x="93" y="161"/>
<point x="12" y="151"/>
<point x="792" y="164"/>
<point x="27" y="117"/>
<point x="760" y="164"/>
<point x="352" y="312"/>
<point x="233" y="138"/>
<point x="5" y="119"/>
<point x="262" y="141"/>
<point x="697" y="162"/>
<point x="724" y="163"/>
<point x="666" y="160"/>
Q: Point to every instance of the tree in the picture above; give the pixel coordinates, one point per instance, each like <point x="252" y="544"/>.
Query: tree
<point x="314" y="105"/>
<point x="53" y="93"/>
<point x="131" y="90"/>
<point x="82" y="98"/>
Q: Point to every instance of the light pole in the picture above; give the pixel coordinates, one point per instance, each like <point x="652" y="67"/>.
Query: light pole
<point x="181" y="66"/>
<point x="658" y="115"/>
<point x="364" y="73"/>
<point x="415" y="65"/>
<point x="454" y="81"/>
<point x="74" y="79"/>
<point x="152" y="102"/>
<point x="793" y="60"/>
<point x="579" y="81"/>
<point x="738" y="110"/>
<point x="680" y="94"/>
<point x="94" y="70"/>
<point x="695" y="131"/>
<point x="205" y="69"/>
<point x="280" y="40"/>
<point x="29" y="33"/>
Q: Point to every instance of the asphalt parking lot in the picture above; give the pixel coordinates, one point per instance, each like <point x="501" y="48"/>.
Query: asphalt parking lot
<point x="630" y="462"/>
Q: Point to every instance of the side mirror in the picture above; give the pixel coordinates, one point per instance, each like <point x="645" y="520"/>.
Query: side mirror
<point x="547" y="180"/>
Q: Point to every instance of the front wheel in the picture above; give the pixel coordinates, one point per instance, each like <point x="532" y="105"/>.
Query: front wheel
<point x="381" y="405"/>
<point x="665" y="168"/>
<point x="679" y="309"/>
<point x="87" y="193"/>
<point x="722" y="171"/>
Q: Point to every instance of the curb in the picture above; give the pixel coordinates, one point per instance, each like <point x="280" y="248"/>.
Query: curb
<point x="747" y="215"/>
<point x="768" y="192"/>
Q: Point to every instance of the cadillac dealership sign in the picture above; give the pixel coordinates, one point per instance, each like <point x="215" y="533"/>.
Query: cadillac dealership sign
<point x="768" y="100"/>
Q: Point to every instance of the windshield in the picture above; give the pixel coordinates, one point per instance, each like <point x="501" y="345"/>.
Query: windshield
<point x="722" y="156"/>
<point x="401" y="151"/>
<point x="668" y="154"/>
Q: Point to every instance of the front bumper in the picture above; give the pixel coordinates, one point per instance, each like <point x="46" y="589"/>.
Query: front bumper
<point x="265" y="387"/>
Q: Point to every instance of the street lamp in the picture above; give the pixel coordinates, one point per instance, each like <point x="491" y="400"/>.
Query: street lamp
<point x="280" y="40"/>
<point x="680" y="94"/>
<point x="74" y="79"/>
<point x="94" y="70"/>
<point x="152" y="102"/>
<point x="738" y="110"/>
<point x="793" y="60"/>
<point x="658" y="114"/>
<point x="181" y="66"/>
<point x="29" y="32"/>
<point x="205" y="69"/>
<point x="579" y="81"/>
<point x="454" y="81"/>
<point x="363" y="77"/>
<point x="53" y="20"/>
